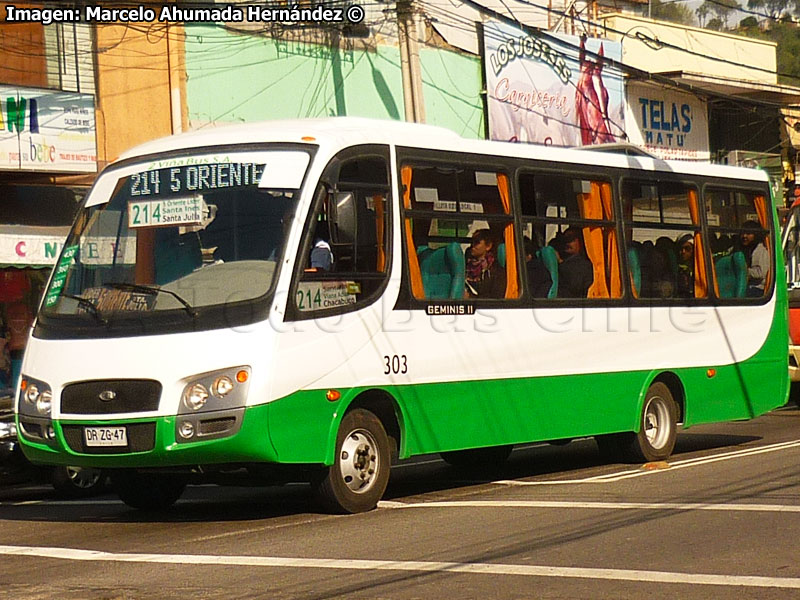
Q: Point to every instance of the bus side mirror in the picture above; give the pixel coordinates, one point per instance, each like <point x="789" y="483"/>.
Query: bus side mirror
<point x="342" y="215"/>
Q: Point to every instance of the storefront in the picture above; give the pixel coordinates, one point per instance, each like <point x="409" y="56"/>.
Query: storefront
<point x="47" y="159"/>
<point x="40" y="216"/>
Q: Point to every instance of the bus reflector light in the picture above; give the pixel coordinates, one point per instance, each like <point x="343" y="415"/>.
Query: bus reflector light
<point x="242" y="376"/>
<point x="333" y="395"/>
<point x="711" y="373"/>
<point x="308" y="138"/>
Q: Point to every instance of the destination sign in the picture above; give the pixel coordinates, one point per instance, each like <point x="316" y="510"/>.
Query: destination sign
<point x="169" y="211"/>
<point x="194" y="178"/>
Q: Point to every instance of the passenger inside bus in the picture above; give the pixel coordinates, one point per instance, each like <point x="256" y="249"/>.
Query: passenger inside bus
<point x="539" y="280"/>
<point x="575" y="273"/>
<point x="485" y="276"/>
<point x="685" y="283"/>
<point x="321" y="258"/>
<point x="757" y="259"/>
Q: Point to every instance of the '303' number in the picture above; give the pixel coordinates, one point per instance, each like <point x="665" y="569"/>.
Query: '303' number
<point x="395" y="364"/>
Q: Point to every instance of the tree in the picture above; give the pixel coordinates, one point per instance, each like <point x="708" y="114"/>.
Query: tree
<point x="787" y="36"/>
<point x="671" y="11"/>
<point x="702" y="13"/>
<point x="771" y="8"/>
<point x="722" y="9"/>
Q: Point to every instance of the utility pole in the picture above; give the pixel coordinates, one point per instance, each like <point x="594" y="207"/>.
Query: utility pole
<point x="410" y="27"/>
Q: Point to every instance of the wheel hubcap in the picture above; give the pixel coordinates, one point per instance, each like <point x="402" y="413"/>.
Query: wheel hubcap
<point x="656" y="419"/>
<point x="358" y="461"/>
<point x="83" y="478"/>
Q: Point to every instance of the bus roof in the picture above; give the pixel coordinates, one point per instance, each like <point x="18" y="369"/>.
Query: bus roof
<point x="349" y="131"/>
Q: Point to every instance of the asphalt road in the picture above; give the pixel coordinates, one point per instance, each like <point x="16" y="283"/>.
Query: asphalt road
<point x="720" y="519"/>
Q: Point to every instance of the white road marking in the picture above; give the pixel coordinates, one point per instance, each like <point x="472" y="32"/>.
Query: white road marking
<point x="404" y="565"/>
<point x="673" y="506"/>
<point x="641" y="472"/>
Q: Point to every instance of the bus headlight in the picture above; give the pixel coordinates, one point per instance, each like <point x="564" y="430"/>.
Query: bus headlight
<point x="212" y="405"/>
<point x="222" y="386"/>
<point x="32" y="393"/>
<point x="195" y="397"/>
<point x="217" y="390"/>
<point x="35" y="398"/>
<point x="44" y="403"/>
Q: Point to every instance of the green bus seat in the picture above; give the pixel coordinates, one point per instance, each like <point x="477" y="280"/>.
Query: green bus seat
<point x="635" y="268"/>
<point x="442" y="271"/>
<point x="549" y="257"/>
<point x="731" y="271"/>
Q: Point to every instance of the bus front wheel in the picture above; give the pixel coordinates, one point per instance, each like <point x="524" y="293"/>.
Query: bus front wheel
<point x="147" y="491"/>
<point x="357" y="479"/>
<point x="658" y="428"/>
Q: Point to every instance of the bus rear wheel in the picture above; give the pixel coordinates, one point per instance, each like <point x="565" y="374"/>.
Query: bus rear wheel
<point x="357" y="479"/>
<point x="658" y="429"/>
<point x="145" y="491"/>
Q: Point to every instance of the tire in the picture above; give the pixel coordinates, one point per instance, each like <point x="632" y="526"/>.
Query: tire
<point x="147" y="491"/>
<point x="76" y="482"/>
<point x="357" y="479"/>
<point x="794" y="393"/>
<point x="658" y="428"/>
<point x="478" y="459"/>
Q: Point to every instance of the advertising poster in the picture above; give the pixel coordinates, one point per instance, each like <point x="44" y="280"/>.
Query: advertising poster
<point x="668" y="123"/>
<point x="44" y="130"/>
<point x="554" y="90"/>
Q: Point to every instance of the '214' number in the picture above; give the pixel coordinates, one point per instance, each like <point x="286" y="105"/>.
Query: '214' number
<point x="397" y="365"/>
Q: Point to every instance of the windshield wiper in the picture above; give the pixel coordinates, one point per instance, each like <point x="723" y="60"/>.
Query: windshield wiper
<point x="151" y="289"/>
<point x="88" y="304"/>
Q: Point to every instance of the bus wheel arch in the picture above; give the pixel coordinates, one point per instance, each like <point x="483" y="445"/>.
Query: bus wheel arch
<point x="386" y="409"/>
<point x="676" y="388"/>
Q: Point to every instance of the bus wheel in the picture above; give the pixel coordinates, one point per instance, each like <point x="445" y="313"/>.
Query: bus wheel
<point x="659" y="425"/>
<point x="478" y="459"/>
<point x="75" y="482"/>
<point x="658" y="428"/>
<point x="360" y="472"/>
<point x="147" y="491"/>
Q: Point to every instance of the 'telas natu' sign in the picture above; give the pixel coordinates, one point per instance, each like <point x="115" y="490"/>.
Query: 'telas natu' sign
<point x="669" y="123"/>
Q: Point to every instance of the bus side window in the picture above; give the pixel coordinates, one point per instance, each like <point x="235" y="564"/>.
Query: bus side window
<point x="665" y="250"/>
<point x="343" y="260"/>
<point x="739" y="231"/>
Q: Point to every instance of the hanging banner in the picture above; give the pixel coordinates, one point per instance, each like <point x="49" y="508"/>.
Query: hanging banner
<point x="668" y="123"/>
<point x="44" y="130"/>
<point x="555" y="90"/>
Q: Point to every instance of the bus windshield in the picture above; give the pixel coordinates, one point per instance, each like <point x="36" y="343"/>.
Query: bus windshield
<point x="178" y="234"/>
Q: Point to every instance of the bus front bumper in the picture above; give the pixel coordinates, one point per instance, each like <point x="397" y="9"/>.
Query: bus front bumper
<point x="148" y="443"/>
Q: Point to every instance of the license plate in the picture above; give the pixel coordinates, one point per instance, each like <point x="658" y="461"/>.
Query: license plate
<point x="105" y="436"/>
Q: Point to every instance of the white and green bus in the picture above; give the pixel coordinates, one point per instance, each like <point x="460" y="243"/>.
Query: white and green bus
<point x="306" y="299"/>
